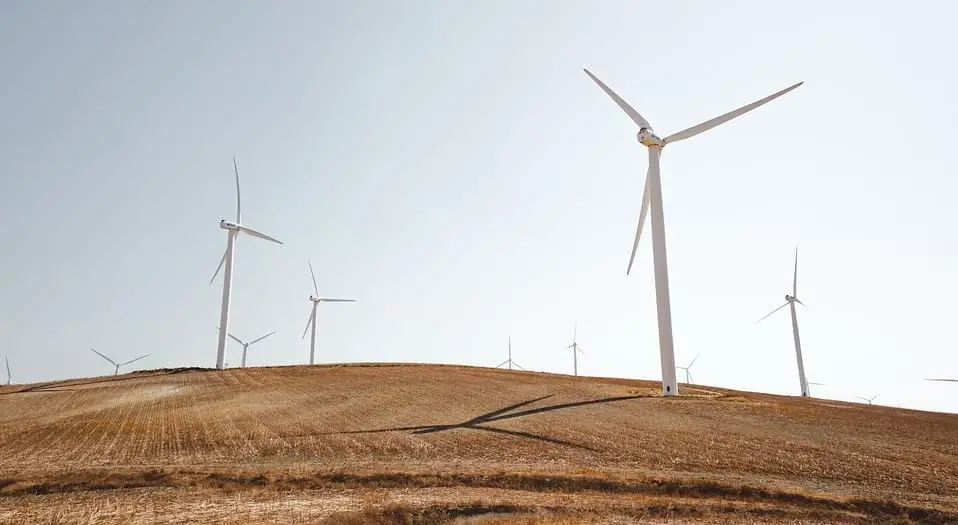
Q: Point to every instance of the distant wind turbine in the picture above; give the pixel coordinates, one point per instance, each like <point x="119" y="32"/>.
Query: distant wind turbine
<point x="116" y="365"/>
<point x="233" y="229"/>
<point x="509" y="361"/>
<point x="311" y="322"/>
<point x="575" y="350"/>
<point x="790" y="301"/>
<point x="246" y="345"/>
<point x="652" y="198"/>
<point x="868" y="399"/>
<point x="688" y="370"/>
<point x="7" y="360"/>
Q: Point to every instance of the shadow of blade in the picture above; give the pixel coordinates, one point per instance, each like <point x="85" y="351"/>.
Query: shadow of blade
<point x="489" y="416"/>
<point x="537" y="437"/>
<point x="562" y="406"/>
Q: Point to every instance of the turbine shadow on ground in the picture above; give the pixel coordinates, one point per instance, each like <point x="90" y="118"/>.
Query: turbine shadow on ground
<point x="504" y="414"/>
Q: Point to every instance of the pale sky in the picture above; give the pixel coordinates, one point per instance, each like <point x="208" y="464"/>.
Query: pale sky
<point x="450" y="166"/>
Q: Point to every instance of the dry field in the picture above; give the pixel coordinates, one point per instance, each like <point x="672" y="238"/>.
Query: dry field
<point x="448" y="444"/>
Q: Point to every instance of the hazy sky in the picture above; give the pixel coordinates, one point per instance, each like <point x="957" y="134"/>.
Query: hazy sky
<point x="450" y="166"/>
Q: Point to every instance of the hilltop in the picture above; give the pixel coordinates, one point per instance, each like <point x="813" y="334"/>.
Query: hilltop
<point x="372" y="443"/>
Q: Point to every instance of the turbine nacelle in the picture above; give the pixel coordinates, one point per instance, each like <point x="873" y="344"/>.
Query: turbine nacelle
<point x="649" y="139"/>
<point x="314" y="299"/>
<point x="229" y="225"/>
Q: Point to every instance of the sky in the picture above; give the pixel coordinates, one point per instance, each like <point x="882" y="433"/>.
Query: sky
<point x="450" y="167"/>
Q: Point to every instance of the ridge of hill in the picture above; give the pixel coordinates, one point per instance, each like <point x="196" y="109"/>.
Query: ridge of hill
<point x="384" y="443"/>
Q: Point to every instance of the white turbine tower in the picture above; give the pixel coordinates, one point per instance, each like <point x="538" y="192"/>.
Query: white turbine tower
<point x="652" y="198"/>
<point x="509" y="361"/>
<point x="116" y="369"/>
<point x="574" y="346"/>
<point x="247" y="344"/>
<point x="9" y="377"/>
<point x="868" y="399"/>
<point x="790" y="301"/>
<point x="688" y="370"/>
<point x="233" y="229"/>
<point x="311" y="322"/>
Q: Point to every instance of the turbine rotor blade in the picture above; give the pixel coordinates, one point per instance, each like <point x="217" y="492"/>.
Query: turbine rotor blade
<point x="313" y="275"/>
<point x="693" y="361"/>
<point x="233" y="337"/>
<point x="220" y="267"/>
<point x="239" y="216"/>
<point x="502" y="363"/>
<point x="629" y="110"/>
<point x="795" y="277"/>
<point x="575" y="331"/>
<point x="255" y="233"/>
<point x="643" y="213"/>
<point x="309" y="321"/>
<point x="133" y="360"/>
<point x="799" y="302"/>
<point x="112" y="362"/>
<point x="324" y="300"/>
<point x="948" y="380"/>
<point x="772" y="312"/>
<point x="709" y="124"/>
<point x="517" y="366"/>
<point x="261" y="338"/>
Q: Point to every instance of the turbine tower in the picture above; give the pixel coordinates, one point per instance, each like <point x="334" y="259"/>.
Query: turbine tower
<point x="509" y="361"/>
<point x="868" y="399"/>
<point x="688" y="370"/>
<point x="247" y="344"/>
<point x="790" y="301"/>
<point x="7" y="360"/>
<point x="311" y="322"/>
<point x="652" y="198"/>
<point x="116" y="369"/>
<point x="233" y="229"/>
<point x="575" y="350"/>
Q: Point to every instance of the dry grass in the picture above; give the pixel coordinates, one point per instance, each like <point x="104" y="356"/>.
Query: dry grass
<point x="448" y="444"/>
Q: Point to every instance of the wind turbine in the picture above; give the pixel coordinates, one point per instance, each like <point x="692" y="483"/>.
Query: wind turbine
<point x="814" y="383"/>
<point x="652" y="198"/>
<point x="233" y="229"/>
<point x="247" y="344"/>
<point x="790" y="301"/>
<point x="574" y="346"/>
<point x="868" y="399"/>
<point x="311" y="322"/>
<point x="509" y="361"/>
<point x="7" y="360"/>
<point x="117" y="366"/>
<point x="688" y="371"/>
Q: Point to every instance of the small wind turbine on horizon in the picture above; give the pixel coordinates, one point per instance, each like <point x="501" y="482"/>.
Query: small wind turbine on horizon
<point x="790" y="301"/>
<point x="246" y="345"/>
<point x="652" y="199"/>
<point x="688" y="370"/>
<point x="233" y="229"/>
<point x="575" y="350"/>
<point x="868" y="399"/>
<point x="311" y="322"/>
<point x="509" y="361"/>
<point x="116" y="369"/>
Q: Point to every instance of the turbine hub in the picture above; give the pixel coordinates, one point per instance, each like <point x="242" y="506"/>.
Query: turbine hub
<point x="789" y="298"/>
<point x="314" y="299"/>
<point x="228" y="225"/>
<point x="649" y="139"/>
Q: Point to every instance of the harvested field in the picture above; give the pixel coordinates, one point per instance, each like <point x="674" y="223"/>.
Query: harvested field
<point x="449" y="444"/>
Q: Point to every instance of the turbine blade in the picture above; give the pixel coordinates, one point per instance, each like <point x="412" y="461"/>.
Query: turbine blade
<point x="239" y="217"/>
<point x="629" y="110"/>
<point x="772" y="312"/>
<point x="133" y="360"/>
<point x="255" y="233"/>
<point x="575" y="331"/>
<point x="324" y="300"/>
<point x="220" y="267"/>
<point x="112" y="362"/>
<point x="233" y="337"/>
<point x="309" y="321"/>
<point x="643" y="212"/>
<point x="693" y="361"/>
<point x="799" y="302"/>
<point x="502" y="363"/>
<point x="709" y="124"/>
<point x="517" y="366"/>
<point x="7" y="360"/>
<point x="949" y="380"/>
<point x="690" y="378"/>
<point x="795" y="277"/>
<point x="261" y="338"/>
<point x="313" y="275"/>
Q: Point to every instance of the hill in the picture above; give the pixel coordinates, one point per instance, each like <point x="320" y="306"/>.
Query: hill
<point x="435" y="444"/>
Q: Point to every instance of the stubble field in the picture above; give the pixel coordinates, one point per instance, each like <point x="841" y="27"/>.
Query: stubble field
<point x="449" y="444"/>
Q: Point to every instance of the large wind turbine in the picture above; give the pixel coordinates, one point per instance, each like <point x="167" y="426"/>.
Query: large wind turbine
<point x="688" y="370"/>
<point x="575" y="350"/>
<point x="247" y="344"/>
<point x="790" y="301"/>
<point x="652" y="198"/>
<point x="311" y="322"/>
<point x="116" y="365"/>
<point x="509" y="361"/>
<point x="7" y="360"/>
<point x="232" y="230"/>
